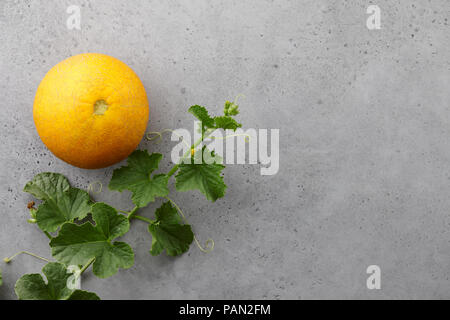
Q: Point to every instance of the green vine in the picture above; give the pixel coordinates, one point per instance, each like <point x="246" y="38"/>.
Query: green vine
<point x="83" y="233"/>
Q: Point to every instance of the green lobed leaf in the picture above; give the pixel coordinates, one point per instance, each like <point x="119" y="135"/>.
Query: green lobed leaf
<point x="203" y="177"/>
<point x="61" y="202"/>
<point x="221" y="122"/>
<point x="45" y="185"/>
<point x="78" y="244"/>
<point x="226" y="122"/>
<point x="202" y="114"/>
<point x="169" y="233"/>
<point x="33" y="286"/>
<point x="83" y="295"/>
<point x="68" y="206"/>
<point x="136" y="178"/>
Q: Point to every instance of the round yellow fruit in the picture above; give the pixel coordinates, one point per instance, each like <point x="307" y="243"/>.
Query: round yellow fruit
<point x="91" y="110"/>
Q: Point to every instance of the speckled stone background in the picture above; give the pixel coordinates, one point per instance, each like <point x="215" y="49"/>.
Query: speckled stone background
<point x="364" y="119"/>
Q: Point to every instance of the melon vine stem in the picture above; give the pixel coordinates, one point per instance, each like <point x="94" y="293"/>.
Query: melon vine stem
<point x="195" y="145"/>
<point x="132" y="213"/>
<point x="87" y="265"/>
<point x="142" y="219"/>
<point x="8" y="260"/>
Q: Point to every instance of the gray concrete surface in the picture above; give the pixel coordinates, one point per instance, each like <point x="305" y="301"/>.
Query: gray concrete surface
<point x="364" y="119"/>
